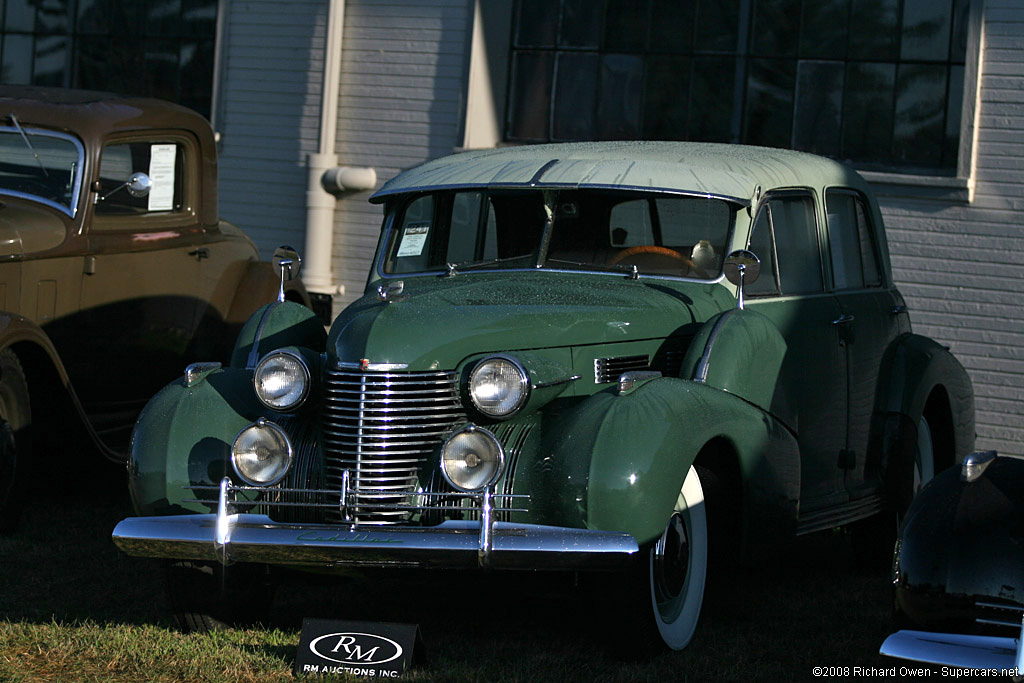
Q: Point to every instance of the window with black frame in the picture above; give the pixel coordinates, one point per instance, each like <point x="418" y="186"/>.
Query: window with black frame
<point x="877" y="82"/>
<point x="155" y="49"/>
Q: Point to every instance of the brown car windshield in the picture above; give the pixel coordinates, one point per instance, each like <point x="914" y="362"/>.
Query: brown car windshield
<point x="657" y="233"/>
<point x="41" y="165"/>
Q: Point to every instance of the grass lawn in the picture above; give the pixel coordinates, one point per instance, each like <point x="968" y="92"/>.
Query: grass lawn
<point x="73" y="608"/>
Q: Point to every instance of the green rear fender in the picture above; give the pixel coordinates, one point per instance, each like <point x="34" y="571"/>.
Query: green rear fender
<point x="621" y="459"/>
<point x="913" y="370"/>
<point x="184" y="436"/>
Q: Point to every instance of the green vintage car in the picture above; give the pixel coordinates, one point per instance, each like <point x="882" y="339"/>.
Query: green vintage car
<point x="618" y="359"/>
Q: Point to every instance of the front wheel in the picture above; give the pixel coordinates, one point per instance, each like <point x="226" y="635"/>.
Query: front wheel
<point x="660" y="602"/>
<point x="15" y="443"/>
<point x="207" y="597"/>
<point x="678" y="566"/>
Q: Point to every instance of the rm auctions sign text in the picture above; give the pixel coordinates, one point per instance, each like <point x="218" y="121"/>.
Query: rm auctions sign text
<point x="356" y="648"/>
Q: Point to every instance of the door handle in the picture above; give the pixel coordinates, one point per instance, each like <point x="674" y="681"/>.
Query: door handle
<point x="200" y="253"/>
<point x="844" y="319"/>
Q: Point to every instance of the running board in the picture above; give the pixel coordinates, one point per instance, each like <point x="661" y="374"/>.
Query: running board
<point x="828" y="518"/>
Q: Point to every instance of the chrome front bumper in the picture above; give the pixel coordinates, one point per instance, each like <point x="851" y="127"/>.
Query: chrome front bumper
<point x="227" y="537"/>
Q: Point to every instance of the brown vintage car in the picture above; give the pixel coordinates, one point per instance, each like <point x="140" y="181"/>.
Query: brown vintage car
<point x="115" y="270"/>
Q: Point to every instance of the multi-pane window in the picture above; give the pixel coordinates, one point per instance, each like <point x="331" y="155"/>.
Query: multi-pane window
<point x="876" y="82"/>
<point x="156" y="48"/>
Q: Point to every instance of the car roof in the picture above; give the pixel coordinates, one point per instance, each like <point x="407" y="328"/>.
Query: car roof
<point x="729" y="171"/>
<point x="89" y="113"/>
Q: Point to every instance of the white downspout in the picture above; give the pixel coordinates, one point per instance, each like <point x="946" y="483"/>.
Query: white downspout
<point x="320" y="205"/>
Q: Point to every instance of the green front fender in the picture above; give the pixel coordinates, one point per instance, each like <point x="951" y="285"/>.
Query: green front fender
<point x="184" y="436"/>
<point x="622" y="459"/>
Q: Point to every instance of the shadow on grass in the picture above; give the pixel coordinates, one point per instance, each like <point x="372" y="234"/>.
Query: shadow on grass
<point x="810" y="607"/>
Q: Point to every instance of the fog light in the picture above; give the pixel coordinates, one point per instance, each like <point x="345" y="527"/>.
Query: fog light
<point x="471" y="459"/>
<point x="261" y="453"/>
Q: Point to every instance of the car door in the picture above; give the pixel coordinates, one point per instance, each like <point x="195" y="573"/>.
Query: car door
<point x="811" y="391"/>
<point x="140" y="295"/>
<point x="869" y="322"/>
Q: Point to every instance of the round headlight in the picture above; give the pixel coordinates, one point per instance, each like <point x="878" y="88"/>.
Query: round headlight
<point x="282" y="380"/>
<point x="471" y="459"/>
<point x="261" y="453"/>
<point x="498" y="386"/>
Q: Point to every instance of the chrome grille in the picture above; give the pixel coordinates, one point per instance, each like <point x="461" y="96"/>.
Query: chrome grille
<point x="382" y="427"/>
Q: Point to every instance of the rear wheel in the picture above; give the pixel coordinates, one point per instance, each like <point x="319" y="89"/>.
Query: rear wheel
<point x="208" y="597"/>
<point x="15" y="443"/>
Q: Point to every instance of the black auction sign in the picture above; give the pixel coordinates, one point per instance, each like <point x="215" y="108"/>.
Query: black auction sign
<point x="358" y="648"/>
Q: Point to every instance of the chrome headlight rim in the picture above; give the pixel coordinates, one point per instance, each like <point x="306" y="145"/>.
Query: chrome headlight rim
<point x="307" y="380"/>
<point x="524" y="384"/>
<point x="498" y="471"/>
<point x="263" y="423"/>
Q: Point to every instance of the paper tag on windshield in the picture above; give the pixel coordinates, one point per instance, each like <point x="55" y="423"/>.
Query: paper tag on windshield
<point x="413" y="239"/>
<point x="161" y="171"/>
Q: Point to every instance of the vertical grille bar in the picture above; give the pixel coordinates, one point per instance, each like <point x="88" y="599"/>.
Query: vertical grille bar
<point x="382" y="427"/>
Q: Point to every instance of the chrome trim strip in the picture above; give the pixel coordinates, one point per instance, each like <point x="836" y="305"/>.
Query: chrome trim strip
<point x="557" y="382"/>
<point x="256" y="538"/>
<point x="378" y="197"/>
<point x="700" y="374"/>
<point x="254" y="352"/>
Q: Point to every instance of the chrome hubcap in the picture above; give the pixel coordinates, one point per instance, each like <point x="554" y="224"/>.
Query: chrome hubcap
<point x="671" y="559"/>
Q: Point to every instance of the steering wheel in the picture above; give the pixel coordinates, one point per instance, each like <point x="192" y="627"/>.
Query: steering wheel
<point x="648" y="249"/>
<point x="663" y="252"/>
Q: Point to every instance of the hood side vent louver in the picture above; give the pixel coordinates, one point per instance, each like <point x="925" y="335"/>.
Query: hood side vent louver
<point x="608" y="369"/>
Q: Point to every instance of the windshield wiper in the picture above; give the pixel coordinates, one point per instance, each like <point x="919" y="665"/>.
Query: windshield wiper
<point x="593" y="266"/>
<point x="454" y="268"/>
<point x="14" y="120"/>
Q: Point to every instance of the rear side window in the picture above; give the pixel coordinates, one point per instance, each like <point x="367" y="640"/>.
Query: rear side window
<point x="852" y="249"/>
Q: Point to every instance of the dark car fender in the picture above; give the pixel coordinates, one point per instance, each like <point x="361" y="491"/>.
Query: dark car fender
<point x="274" y="326"/>
<point x="961" y="544"/>
<point x="919" y="377"/>
<point x="617" y="461"/>
<point x="183" y="437"/>
<point x="47" y="377"/>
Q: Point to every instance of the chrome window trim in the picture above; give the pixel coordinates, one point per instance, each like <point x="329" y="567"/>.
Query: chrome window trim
<point x="76" y="191"/>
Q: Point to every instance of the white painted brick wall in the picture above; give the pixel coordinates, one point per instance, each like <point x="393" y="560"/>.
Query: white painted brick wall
<point x="961" y="267"/>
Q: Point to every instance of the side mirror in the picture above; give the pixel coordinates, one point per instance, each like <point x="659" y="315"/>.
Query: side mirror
<point x="138" y="185"/>
<point x="287" y="262"/>
<point x="741" y="268"/>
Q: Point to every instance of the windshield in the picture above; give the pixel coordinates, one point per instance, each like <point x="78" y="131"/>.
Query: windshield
<point x="658" y="233"/>
<point x="41" y="165"/>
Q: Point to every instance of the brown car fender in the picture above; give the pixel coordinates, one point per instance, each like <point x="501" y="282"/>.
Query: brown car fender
<point x="46" y="374"/>
<point x="260" y="285"/>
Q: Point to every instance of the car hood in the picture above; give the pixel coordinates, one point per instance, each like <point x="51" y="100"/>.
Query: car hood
<point x="437" y="322"/>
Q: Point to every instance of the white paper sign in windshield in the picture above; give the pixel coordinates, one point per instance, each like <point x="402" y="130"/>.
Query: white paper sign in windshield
<point x="413" y="239"/>
<point x="161" y="171"/>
